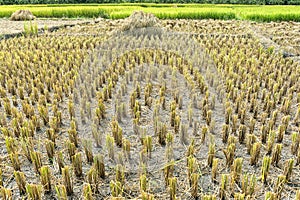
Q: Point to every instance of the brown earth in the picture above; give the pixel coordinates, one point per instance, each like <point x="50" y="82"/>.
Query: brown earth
<point x="15" y="27"/>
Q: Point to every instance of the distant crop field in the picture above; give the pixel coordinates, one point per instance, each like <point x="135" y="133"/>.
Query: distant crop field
<point x="162" y="11"/>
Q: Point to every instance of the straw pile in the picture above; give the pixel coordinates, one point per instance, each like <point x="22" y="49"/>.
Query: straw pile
<point x="140" y="19"/>
<point x="22" y="15"/>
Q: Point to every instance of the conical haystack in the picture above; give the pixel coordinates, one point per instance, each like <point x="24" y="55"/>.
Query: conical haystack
<point x="140" y="19"/>
<point x="22" y="15"/>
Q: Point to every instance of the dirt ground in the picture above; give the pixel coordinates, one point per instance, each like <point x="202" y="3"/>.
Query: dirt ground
<point x="15" y="27"/>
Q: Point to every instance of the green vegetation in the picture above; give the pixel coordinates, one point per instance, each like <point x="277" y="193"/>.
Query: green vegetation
<point x="259" y="2"/>
<point x="162" y="11"/>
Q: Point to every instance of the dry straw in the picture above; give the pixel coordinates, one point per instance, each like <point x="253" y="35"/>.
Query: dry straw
<point x="22" y="15"/>
<point x="140" y="19"/>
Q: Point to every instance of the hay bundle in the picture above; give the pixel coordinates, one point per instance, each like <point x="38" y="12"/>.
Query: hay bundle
<point x="140" y="19"/>
<point x="22" y="15"/>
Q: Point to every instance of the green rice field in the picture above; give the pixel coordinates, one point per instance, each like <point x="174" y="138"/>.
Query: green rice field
<point x="162" y="11"/>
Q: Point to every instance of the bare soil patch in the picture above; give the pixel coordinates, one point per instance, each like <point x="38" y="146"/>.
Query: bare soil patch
<point x="15" y="27"/>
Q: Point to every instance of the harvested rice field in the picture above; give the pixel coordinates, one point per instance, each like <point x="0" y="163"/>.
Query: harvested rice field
<point x="142" y="108"/>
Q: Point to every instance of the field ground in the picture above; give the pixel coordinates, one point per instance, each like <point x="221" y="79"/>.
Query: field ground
<point x="197" y="109"/>
<point x="162" y="11"/>
<point x="15" y="27"/>
<point x="283" y="36"/>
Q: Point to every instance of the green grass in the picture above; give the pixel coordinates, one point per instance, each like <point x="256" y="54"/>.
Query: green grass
<point x="162" y="11"/>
